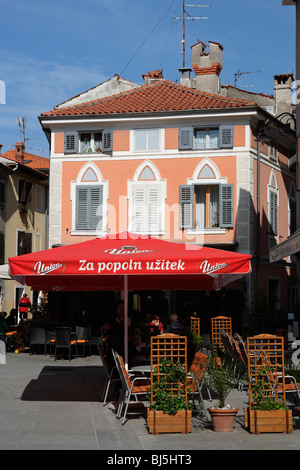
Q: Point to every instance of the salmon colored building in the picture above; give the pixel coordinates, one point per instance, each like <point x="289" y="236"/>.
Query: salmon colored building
<point x="173" y="161"/>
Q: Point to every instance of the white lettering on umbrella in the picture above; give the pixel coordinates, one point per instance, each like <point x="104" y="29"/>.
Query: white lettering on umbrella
<point x="158" y="265"/>
<point x="41" y="269"/>
<point x="208" y="268"/>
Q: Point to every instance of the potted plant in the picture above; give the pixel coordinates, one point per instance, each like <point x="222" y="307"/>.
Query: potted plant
<point x="23" y="210"/>
<point x="221" y="381"/>
<point x="266" y="413"/>
<point x="170" y="410"/>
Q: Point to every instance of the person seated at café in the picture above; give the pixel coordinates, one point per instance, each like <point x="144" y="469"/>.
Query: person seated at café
<point x="174" y="323"/>
<point x="11" y="319"/>
<point x="156" y="326"/>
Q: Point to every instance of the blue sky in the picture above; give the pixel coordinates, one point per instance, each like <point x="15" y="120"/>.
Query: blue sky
<point x="51" y="51"/>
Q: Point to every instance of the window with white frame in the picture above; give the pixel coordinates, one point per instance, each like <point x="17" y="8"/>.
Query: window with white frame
<point x="146" y="194"/>
<point x="207" y="202"/>
<point x="82" y="142"/>
<point x="205" y="138"/>
<point x="273" y="151"/>
<point x="89" y="196"/>
<point x="146" y="140"/>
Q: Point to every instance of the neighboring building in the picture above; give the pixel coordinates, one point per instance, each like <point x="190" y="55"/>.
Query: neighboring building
<point x="178" y="161"/>
<point x="23" y="212"/>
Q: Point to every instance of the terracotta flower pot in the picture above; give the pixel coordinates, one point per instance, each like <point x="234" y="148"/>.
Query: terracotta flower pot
<point x="223" y="419"/>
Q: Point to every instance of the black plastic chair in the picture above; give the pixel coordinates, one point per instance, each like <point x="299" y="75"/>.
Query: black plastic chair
<point x="37" y="338"/>
<point x="50" y="340"/>
<point x="83" y="337"/>
<point x="63" y="340"/>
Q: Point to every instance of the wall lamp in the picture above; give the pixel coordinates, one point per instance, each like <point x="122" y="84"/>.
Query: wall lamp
<point x="275" y="123"/>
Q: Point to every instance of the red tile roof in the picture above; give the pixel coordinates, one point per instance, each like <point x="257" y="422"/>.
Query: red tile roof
<point x="32" y="161"/>
<point x="160" y="96"/>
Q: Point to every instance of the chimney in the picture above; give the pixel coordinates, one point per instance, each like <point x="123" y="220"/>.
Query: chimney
<point x="185" y="77"/>
<point x="19" y="153"/>
<point x="153" y="76"/>
<point x="283" y="92"/>
<point x="207" y="66"/>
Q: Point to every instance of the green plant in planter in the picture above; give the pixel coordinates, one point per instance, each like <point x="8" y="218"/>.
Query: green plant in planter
<point x="261" y="401"/>
<point x="197" y="341"/>
<point x="168" y="389"/>
<point x="222" y="378"/>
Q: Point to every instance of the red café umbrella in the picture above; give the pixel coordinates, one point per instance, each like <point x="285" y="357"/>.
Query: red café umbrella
<point x="127" y="261"/>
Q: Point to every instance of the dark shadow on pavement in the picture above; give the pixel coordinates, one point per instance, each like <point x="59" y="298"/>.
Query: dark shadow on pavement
<point x="83" y="384"/>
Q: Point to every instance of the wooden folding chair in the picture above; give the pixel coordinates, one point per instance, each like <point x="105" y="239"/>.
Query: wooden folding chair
<point x="195" y="378"/>
<point x="129" y="386"/>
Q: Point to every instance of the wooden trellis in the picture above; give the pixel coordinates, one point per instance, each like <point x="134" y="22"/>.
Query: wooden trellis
<point x="195" y="325"/>
<point x="217" y="324"/>
<point x="172" y="347"/>
<point x="266" y="368"/>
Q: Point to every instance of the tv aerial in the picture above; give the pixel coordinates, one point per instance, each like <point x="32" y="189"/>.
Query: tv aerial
<point x="187" y="16"/>
<point x="239" y="73"/>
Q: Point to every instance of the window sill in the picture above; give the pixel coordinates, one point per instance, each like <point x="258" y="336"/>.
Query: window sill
<point x="97" y="233"/>
<point x="206" y="231"/>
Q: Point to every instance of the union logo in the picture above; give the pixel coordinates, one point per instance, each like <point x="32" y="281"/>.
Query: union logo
<point x="205" y="267"/>
<point x="41" y="269"/>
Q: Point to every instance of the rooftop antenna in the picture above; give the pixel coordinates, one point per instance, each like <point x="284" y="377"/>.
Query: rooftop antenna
<point x="187" y="16"/>
<point x="21" y="123"/>
<point x="239" y="73"/>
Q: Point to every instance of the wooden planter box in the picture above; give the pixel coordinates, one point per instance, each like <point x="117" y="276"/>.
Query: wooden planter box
<point x="160" y="422"/>
<point x="257" y="421"/>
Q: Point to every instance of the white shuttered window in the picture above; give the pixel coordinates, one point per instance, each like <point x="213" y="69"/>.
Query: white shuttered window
<point x="146" y="213"/>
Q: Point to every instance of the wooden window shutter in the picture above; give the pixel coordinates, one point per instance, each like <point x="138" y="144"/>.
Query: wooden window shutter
<point x="29" y="192"/>
<point x="28" y="242"/>
<point x="154" y="216"/>
<point x="273" y="221"/>
<point x="226" y="136"/>
<point x="226" y="205"/>
<point x="95" y="208"/>
<point x="89" y="211"/>
<point x="107" y="140"/>
<point x="139" y="213"/>
<point x="186" y="206"/>
<point x="22" y="191"/>
<point x="185" y="138"/>
<point x="81" y="208"/>
<point x="71" y="142"/>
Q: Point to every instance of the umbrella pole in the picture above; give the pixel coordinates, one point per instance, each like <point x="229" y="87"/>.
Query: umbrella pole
<point x="126" y="319"/>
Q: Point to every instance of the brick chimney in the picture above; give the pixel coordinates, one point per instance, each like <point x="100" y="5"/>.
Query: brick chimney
<point x="207" y="66"/>
<point x="283" y="92"/>
<point x="19" y="153"/>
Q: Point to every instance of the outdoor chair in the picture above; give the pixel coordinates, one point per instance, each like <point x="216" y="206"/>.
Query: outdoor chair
<point x="63" y="340"/>
<point x="242" y="348"/>
<point x="195" y="378"/>
<point x="37" y="338"/>
<point x="49" y="340"/>
<point x="130" y="386"/>
<point x="111" y="374"/>
<point x="83" y="337"/>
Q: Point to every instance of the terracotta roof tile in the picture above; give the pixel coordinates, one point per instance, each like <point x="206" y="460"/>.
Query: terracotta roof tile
<point x="32" y="161"/>
<point x="160" y="96"/>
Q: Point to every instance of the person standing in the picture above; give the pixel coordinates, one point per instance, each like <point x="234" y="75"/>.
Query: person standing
<point x="24" y="306"/>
